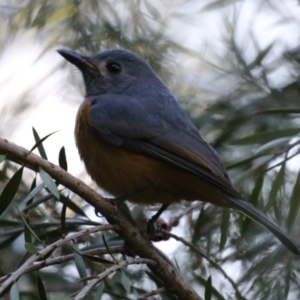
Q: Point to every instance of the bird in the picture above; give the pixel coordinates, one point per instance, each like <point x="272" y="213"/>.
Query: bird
<point x="136" y="141"/>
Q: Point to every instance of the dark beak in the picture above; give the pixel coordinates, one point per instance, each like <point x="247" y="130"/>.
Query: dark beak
<point x="76" y="59"/>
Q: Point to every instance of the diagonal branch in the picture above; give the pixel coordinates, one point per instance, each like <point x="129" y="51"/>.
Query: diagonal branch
<point x="213" y="263"/>
<point x="43" y="253"/>
<point x="110" y="270"/>
<point x="170" y="276"/>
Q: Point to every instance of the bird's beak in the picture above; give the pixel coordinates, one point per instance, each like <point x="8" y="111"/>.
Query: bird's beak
<point x="80" y="61"/>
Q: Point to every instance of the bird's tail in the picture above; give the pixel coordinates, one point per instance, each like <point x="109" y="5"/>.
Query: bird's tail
<point x="250" y="211"/>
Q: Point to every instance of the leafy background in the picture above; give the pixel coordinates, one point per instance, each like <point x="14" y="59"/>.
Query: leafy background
<point x="233" y="65"/>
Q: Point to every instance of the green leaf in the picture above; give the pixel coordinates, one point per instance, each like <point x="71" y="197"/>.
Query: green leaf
<point x="49" y="183"/>
<point x="294" y="204"/>
<point x="32" y="187"/>
<point x="107" y="248"/>
<point x="5" y="222"/>
<point x="10" y="190"/>
<point x="245" y="161"/>
<point x="254" y="197"/>
<point x="2" y="158"/>
<point x="125" y="282"/>
<point x="27" y="233"/>
<point x="199" y="223"/>
<point x="276" y="185"/>
<point x="14" y="292"/>
<point x="38" y="144"/>
<point x="41" y="288"/>
<point x="271" y="146"/>
<point x="62" y="159"/>
<point x="264" y="137"/>
<point x="73" y="206"/>
<point x="224" y="227"/>
<point x="202" y="281"/>
<point x="99" y="291"/>
<point x="295" y="110"/>
<point x="28" y="226"/>
<point x="38" y="202"/>
<point x="208" y="289"/>
<point x="31" y="248"/>
<point x="79" y="263"/>
<point x="36" y="190"/>
<point x="63" y="215"/>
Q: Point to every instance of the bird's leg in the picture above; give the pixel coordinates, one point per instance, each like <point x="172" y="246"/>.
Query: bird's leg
<point x="151" y="229"/>
<point x="119" y="200"/>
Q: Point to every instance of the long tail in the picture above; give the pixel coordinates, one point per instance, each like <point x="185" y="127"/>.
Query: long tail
<point x="250" y="211"/>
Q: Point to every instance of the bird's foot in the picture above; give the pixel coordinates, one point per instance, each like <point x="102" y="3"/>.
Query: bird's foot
<point x="156" y="228"/>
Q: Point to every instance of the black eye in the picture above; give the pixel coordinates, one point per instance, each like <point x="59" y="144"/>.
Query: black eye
<point x="113" y="67"/>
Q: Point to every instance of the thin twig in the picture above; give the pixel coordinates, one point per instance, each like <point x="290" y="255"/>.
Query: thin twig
<point x="152" y="293"/>
<point x="65" y="258"/>
<point x="43" y="253"/>
<point x="213" y="263"/>
<point x="93" y="282"/>
<point x="175" y="220"/>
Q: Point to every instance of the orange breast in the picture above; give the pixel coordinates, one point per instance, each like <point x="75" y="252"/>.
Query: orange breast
<point x="122" y="172"/>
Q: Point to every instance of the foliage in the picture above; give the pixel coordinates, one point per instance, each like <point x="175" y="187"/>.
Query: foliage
<point x="250" y="116"/>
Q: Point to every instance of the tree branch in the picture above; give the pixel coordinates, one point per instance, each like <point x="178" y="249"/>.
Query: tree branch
<point x="213" y="263"/>
<point x="108" y="271"/>
<point x="43" y="253"/>
<point x="135" y="240"/>
<point x="65" y="258"/>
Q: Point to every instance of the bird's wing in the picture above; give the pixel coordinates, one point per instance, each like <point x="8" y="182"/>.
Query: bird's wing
<point x="125" y="121"/>
<point x="129" y="124"/>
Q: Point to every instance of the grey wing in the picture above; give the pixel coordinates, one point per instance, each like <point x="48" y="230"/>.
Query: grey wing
<point x="125" y="121"/>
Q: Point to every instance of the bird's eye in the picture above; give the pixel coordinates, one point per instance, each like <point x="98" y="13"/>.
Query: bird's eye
<point x="113" y="67"/>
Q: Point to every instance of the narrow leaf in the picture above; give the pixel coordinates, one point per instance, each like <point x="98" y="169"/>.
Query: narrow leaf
<point x="27" y="233"/>
<point x="38" y="202"/>
<point x="107" y="248"/>
<point x="79" y="263"/>
<point x="245" y="161"/>
<point x="38" y="143"/>
<point x="295" y="110"/>
<point x="276" y="185"/>
<point x="14" y="292"/>
<point x="27" y="225"/>
<point x="199" y="223"/>
<point x="49" y="183"/>
<point x="208" y="289"/>
<point x="41" y="288"/>
<point x="32" y="187"/>
<point x="62" y="159"/>
<point x="125" y="282"/>
<point x="99" y="291"/>
<point x="30" y="248"/>
<point x="215" y="292"/>
<point x="31" y="195"/>
<point x="264" y="137"/>
<point x="224" y="227"/>
<point x="63" y="216"/>
<point x="294" y="203"/>
<point x="2" y="158"/>
<point x="73" y="206"/>
<point x="10" y="190"/>
<point x="254" y="199"/>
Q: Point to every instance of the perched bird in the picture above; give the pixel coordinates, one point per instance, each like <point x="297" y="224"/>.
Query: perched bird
<point x="136" y="140"/>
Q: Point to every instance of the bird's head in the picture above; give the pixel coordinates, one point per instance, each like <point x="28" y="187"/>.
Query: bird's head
<point x="115" y="71"/>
